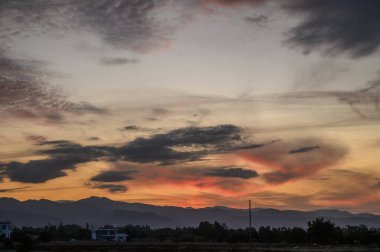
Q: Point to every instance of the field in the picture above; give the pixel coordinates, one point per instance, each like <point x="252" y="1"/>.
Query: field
<point x="189" y="247"/>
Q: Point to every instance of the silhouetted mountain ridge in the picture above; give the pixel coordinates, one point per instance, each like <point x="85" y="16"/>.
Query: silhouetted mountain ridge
<point x="101" y="211"/>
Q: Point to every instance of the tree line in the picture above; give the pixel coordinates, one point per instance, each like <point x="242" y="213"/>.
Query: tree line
<point x="318" y="231"/>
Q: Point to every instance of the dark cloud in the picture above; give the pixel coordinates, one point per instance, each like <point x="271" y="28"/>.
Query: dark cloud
<point x="10" y="190"/>
<point x="63" y="155"/>
<point x="131" y="128"/>
<point x="287" y="167"/>
<point x="336" y="26"/>
<point x="166" y="148"/>
<point x="93" y="138"/>
<point x="112" y="188"/>
<point x="117" y="61"/>
<point x="232" y="172"/>
<point x="113" y="176"/>
<point x="61" y="148"/>
<point x="38" y="171"/>
<point x="180" y="145"/>
<point x="304" y="149"/>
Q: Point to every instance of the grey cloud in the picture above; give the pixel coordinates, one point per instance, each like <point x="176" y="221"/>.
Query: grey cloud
<point x="38" y="171"/>
<point x="304" y="149"/>
<point x="67" y="149"/>
<point x="336" y="26"/>
<point x="113" y="176"/>
<point x="260" y="20"/>
<point x="232" y="172"/>
<point x="117" y="61"/>
<point x="63" y="155"/>
<point x="163" y="148"/>
<point x="25" y="92"/>
<point x="85" y="108"/>
<point x="125" y="24"/>
<point x="112" y="188"/>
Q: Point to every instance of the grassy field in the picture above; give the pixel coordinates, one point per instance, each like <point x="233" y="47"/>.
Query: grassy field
<point x="190" y="247"/>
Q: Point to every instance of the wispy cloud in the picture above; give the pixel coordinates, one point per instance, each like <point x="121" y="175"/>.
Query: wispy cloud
<point x="289" y="162"/>
<point x="107" y="61"/>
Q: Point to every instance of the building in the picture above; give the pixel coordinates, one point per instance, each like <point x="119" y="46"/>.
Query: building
<point x="107" y="234"/>
<point x="5" y="229"/>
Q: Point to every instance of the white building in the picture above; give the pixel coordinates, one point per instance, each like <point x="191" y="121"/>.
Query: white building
<point x="107" y="234"/>
<point x="6" y="229"/>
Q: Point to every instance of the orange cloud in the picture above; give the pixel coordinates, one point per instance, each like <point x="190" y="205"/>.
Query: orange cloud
<point x="294" y="160"/>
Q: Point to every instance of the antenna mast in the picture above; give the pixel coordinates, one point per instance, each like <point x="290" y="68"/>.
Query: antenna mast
<point x="250" y="225"/>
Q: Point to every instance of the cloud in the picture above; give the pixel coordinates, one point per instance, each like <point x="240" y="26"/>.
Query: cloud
<point x="233" y="2"/>
<point x="179" y="145"/>
<point x="62" y="156"/>
<point x="38" y="171"/>
<point x="25" y="93"/>
<point x="93" y="139"/>
<point x="364" y="102"/>
<point x="184" y="144"/>
<point x="10" y="190"/>
<point x="35" y="138"/>
<point x="131" y="128"/>
<point x="286" y="166"/>
<point x="260" y="20"/>
<point x="304" y="149"/>
<point x="336" y="26"/>
<point x="232" y="172"/>
<point x="86" y="108"/>
<point x="117" y="61"/>
<point x="349" y="188"/>
<point x="113" y="176"/>
<point x="112" y="188"/>
<point x="121" y="24"/>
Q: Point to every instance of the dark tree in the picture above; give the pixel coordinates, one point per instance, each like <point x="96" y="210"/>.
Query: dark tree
<point x="321" y="231"/>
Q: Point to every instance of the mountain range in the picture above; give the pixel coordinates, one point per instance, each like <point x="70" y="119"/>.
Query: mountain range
<point x="102" y="211"/>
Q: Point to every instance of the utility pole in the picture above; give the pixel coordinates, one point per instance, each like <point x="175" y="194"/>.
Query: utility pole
<point x="250" y="226"/>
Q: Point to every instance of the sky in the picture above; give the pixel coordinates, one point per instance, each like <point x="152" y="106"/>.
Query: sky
<point x="192" y="103"/>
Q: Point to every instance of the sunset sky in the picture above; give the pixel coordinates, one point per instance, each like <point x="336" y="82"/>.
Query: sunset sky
<point x="192" y="103"/>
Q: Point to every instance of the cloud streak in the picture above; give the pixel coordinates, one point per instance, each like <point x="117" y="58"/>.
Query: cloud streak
<point x="113" y="176"/>
<point x="232" y="172"/>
